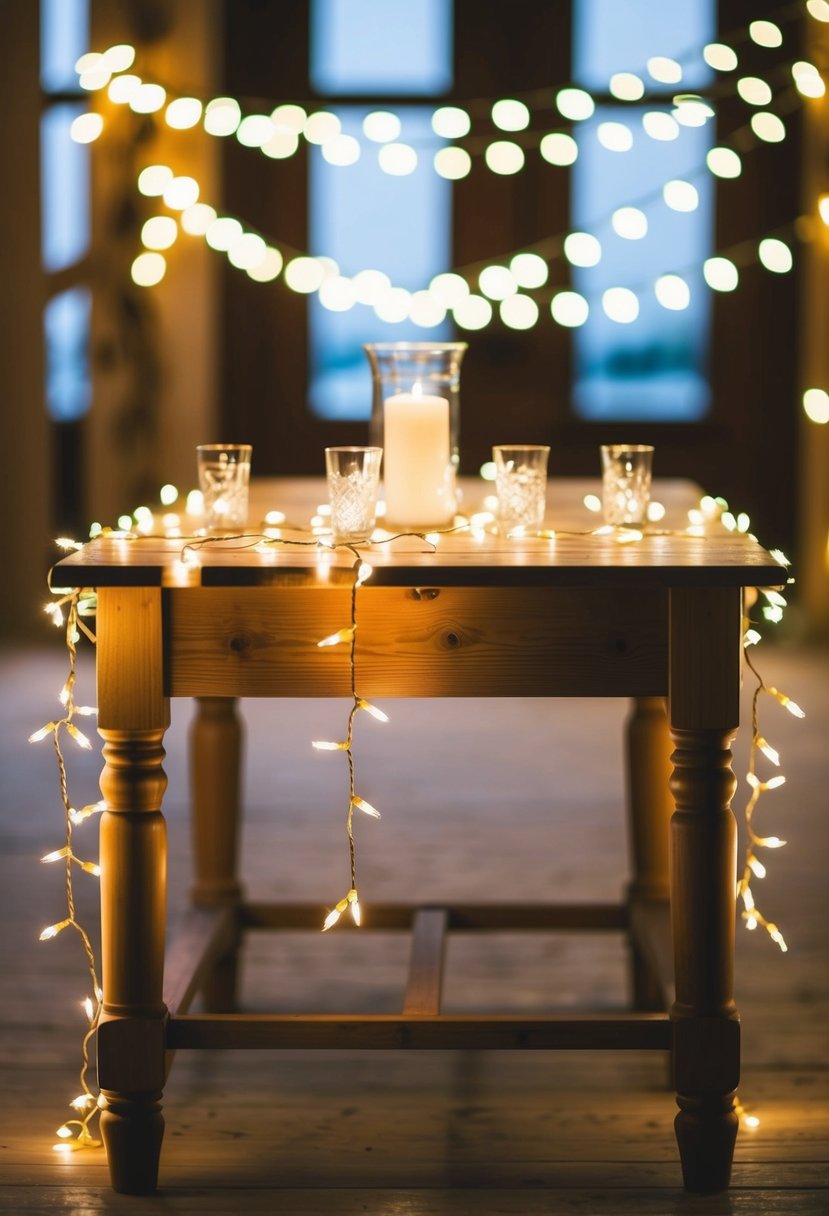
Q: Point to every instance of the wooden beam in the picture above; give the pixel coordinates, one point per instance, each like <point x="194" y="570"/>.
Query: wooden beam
<point x="650" y="930"/>
<point x="426" y="962"/>
<point x="613" y="1032"/>
<point x="203" y="937"/>
<point x="481" y="918"/>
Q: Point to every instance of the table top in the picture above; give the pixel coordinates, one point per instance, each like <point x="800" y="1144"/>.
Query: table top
<point x="679" y="550"/>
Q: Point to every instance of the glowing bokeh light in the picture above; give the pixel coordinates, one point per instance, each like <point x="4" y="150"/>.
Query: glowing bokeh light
<point x="86" y="128"/>
<point x="720" y="274"/>
<point x="222" y="116"/>
<point x="510" y="115"/>
<point x="159" y="232"/>
<point x="451" y="122"/>
<point x="504" y="157"/>
<point x="557" y="148"/>
<point x="672" y="292"/>
<point x="529" y="270"/>
<point x="519" y="312"/>
<point x="497" y="282"/>
<point x="775" y="255"/>
<point x="569" y="308"/>
<point x="620" y="304"/>
<point x="472" y="312"/>
<point x="452" y="163"/>
<point x="183" y="113"/>
<point x="816" y="405"/>
<point x="660" y="125"/>
<point x="398" y="160"/>
<point x="148" y="269"/>
<point x="680" y="195"/>
<point x="381" y="126"/>
<point x="575" y="104"/>
<point x="723" y="162"/>
<point x="615" y="136"/>
<point x="582" y="249"/>
<point x="630" y="223"/>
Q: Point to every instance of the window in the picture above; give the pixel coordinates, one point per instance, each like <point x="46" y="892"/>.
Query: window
<point x="65" y="214"/>
<point x="360" y="216"/>
<point x="655" y="367"/>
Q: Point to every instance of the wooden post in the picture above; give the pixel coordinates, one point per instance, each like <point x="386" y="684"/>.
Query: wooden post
<point x="133" y="714"/>
<point x="650" y="807"/>
<point x="705" y="657"/>
<point x="215" y="763"/>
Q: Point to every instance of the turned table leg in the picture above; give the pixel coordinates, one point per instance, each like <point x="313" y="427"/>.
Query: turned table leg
<point x="215" y="764"/>
<point x="707" y="1032"/>
<point x="705" y="671"/>
<point x="133" y="714"/>
<point x="131" y="1031"/>
<point x="650" y="807"/>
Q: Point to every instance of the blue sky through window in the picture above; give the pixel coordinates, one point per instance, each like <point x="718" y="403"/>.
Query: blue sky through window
<point x="64" y="167"/>
<point x="398" y="47"/>
<point x="656" y="367"/>
<point x="64" y="37"/>
<point x="359" y="215"/>
<point x="66" y="333"/>
<point x="365" y="219"/>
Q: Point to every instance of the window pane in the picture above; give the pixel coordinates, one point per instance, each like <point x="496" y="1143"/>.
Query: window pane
<point x="381" y="46"/>
<point x="366" y="219"/>
<point x="654" y="368"/>
<point x="64" y="167"/>
<point x="611" y="37"/>
<point x="64" y="37"/>
<point x="66" y="331"/>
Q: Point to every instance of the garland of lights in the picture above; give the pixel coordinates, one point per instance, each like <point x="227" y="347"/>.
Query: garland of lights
<point x="77" y="604"/>
<point x="75" y="1133"/>
<point x="513" y="288"/>
<point x="277" y="135"/>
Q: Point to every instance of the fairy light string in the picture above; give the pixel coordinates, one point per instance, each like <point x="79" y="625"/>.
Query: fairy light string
<point x="472" y="306"/>
<point x="75" y="1132"/>
<point x="361" y="572"/>
<point x="753" y="866"/>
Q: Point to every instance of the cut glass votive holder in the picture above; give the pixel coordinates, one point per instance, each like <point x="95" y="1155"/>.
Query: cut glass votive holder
<point x="353" y="476"/>
<point x="626" y="482"/>
<point x="521" y="485"/>
<point x="224" y="480"/>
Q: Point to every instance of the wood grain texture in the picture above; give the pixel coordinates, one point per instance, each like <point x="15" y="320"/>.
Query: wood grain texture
<point x="705" y="659"/>
<point x="202" y="937"/>
<point x="382" y="1032"/>
<point x="425" y="981"/>
<point x="130" y="659"/>
<point x="449" y="642"/>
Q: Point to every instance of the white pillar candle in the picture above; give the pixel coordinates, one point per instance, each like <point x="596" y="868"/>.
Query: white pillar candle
<point x="419" y="477"/>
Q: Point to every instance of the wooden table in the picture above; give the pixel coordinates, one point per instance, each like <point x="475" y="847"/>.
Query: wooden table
<point x="658" y="620"/>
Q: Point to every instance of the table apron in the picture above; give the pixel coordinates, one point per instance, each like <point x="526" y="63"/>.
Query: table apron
<point x="417" y="641"/>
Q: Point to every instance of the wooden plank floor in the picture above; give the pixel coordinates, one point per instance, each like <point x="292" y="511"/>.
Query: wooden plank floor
<point x="510" y="800"/>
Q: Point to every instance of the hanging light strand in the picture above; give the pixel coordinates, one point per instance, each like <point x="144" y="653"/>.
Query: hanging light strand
<point x="753" y="866"/>
<point x="75" y="1132"/>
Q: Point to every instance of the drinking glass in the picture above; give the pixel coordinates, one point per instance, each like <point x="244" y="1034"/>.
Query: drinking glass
<point x="521" y="484"/>
<point x="626" y="482"/>
<point x="224" y="479"/>
<point x="353" y="480"/>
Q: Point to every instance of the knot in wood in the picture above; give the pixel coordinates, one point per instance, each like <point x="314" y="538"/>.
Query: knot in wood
<point x="425" y="593"/>
<point x="239" y="643"/>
